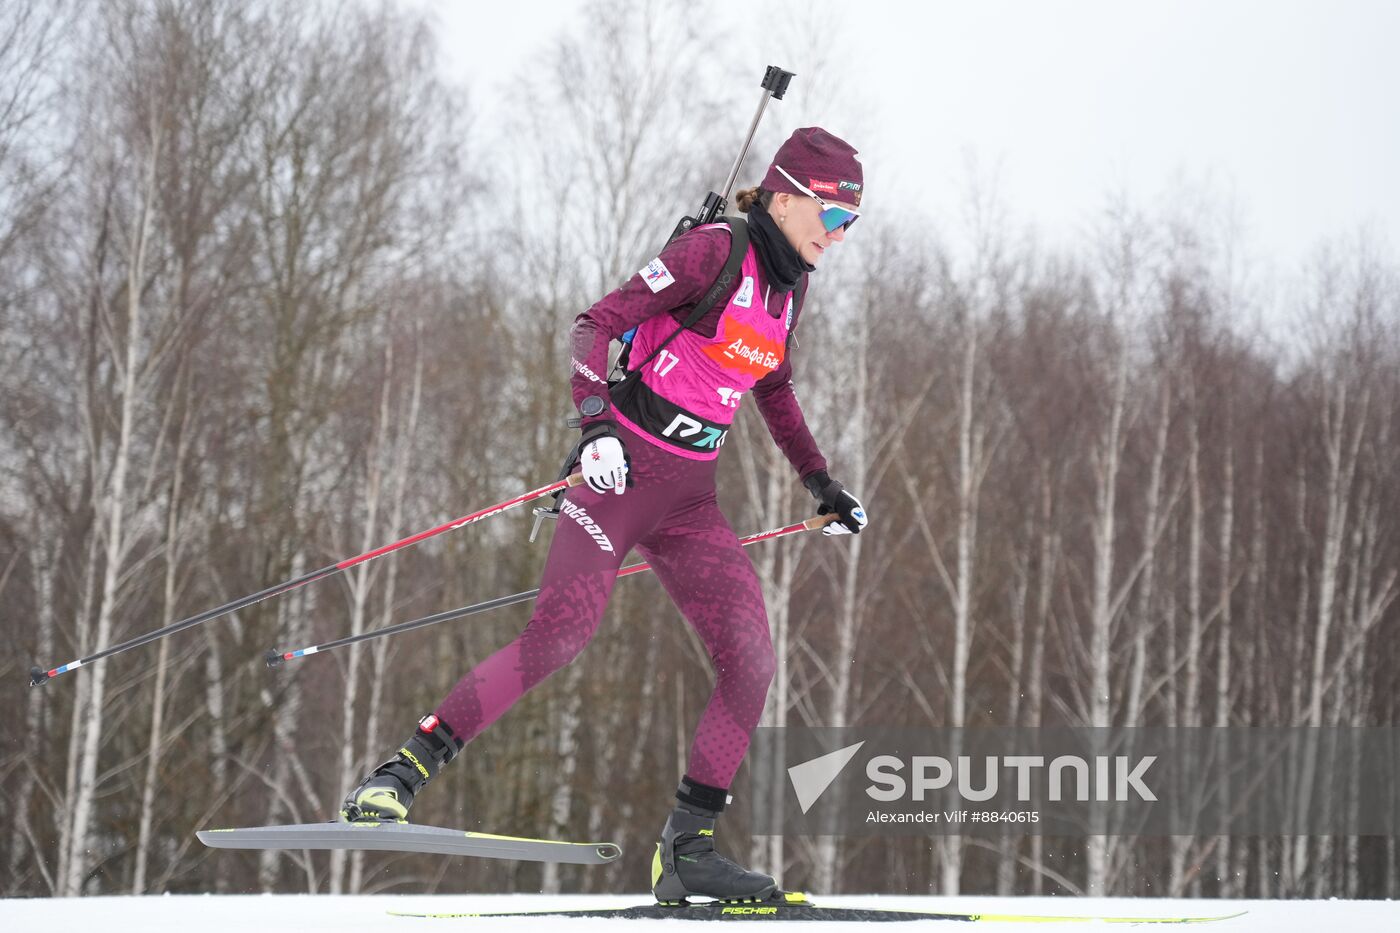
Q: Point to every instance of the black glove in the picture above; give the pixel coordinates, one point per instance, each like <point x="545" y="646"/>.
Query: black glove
<point x="834" y="498"/>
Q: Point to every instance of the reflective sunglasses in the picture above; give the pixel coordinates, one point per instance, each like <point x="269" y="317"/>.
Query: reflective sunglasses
<point x="832" y="216"/>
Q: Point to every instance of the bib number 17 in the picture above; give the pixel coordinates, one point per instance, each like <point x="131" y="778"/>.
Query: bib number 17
<point x="665" y="362"/>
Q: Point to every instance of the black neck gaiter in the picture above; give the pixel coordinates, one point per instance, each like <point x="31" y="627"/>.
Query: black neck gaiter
<point x="782" y="266"/>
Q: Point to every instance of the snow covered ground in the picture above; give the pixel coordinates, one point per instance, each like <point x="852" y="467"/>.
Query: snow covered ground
<point x="311" y="914"/>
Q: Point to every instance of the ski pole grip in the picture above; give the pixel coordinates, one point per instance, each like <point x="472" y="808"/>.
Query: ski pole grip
<point x="821" y="521"/>
<point x="273" y="657"/>
<point x="38" y="677"/>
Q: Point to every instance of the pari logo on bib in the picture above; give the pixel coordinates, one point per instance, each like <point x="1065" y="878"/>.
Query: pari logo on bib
<point x="656" y="275"/>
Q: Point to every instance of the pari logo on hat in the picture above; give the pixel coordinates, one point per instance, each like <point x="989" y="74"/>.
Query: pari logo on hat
<point x="826" y="163"/>
<point x="848" y="190"/>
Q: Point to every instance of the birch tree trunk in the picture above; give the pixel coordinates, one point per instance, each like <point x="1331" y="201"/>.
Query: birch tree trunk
<point x="1047" y="563"/>
<point x="851" y="596"/>
<point x="1287" y="881"/>
<point x="281" y="792"/>
<point x="112" y="504"/>
<point x="766" y="478"/>
<point x="1255" y="573"/>
<point x="972" y="464"/>
<point x="174" y="548"/>
<point x="1223" y="686"/>
<point x="43" y="558"/>
<point x="403" y="459"/>
<point x="1190" y="692"/>
<point x="567" y="723"/>
<point x="64" y="815"/>
<point x="1107" y="460"/>
<point x="1341" y="442"/>
<point x="358" y="582"/>
<point x="1152" y="528"/>
<point x="218" y="729"/>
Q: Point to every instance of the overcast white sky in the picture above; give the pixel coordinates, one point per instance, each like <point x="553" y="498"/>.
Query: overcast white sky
<point x="1290" y="108"/>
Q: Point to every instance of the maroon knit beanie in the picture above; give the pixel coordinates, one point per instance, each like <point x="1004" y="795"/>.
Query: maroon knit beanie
<point x="822" y="162"/>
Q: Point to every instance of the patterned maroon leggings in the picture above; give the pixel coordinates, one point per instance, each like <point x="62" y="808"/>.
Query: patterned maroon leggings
<point x="670" y="515"/>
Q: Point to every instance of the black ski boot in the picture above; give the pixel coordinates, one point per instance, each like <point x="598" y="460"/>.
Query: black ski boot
<point x="686" y="863"/>
<point x="387" y="793"/>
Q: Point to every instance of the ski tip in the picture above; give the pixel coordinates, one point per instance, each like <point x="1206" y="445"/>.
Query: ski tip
<point x="1213" y="919"/>
<point x="1173" y="920"/>
<point x="1134" y="921"/>
<point x="602" y="851"/>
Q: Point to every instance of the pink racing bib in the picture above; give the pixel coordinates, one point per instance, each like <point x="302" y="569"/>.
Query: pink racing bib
<point x="690" y="391"/>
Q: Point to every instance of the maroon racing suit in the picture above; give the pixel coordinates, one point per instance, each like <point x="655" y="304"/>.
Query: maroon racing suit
<point x="668" y="513"/>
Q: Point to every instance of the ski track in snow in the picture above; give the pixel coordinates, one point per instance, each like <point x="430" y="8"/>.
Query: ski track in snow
<point x="315" y="913"/>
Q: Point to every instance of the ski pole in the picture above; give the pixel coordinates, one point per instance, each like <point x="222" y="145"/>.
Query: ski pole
<point x="275" y="657"/>
<point x="38" y="676"/>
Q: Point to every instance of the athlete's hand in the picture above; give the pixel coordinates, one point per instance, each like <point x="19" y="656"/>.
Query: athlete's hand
<point x="835" y="498"/>
<point x="605" y="465"/>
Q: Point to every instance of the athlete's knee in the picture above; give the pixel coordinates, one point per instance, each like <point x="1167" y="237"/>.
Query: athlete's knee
<point x="746" y="689"/>
<point x="547" y="646"/>
<point x="748" y="653"/>
<point x="765" y="661"/>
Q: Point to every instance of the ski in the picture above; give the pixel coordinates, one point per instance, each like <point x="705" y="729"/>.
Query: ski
<point x="791" y="905"/>
<point x="409" y="837"/>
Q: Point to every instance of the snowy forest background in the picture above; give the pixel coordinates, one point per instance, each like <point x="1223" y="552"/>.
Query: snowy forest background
<point x="273" y="296"/>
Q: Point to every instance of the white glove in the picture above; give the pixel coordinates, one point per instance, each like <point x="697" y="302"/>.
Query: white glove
<point x="605" y="465"/>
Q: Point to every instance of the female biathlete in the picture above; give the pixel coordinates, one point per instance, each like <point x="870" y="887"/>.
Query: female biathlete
<point x="648" y="458"/>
